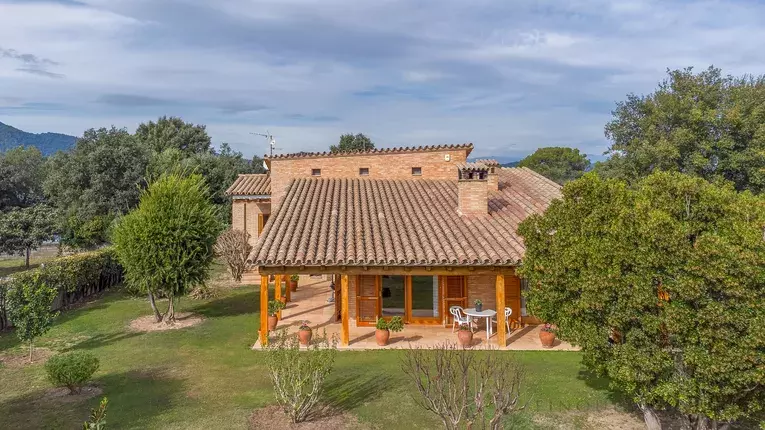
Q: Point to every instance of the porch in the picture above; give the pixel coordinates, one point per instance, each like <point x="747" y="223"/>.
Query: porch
<point x="310" y="303"/>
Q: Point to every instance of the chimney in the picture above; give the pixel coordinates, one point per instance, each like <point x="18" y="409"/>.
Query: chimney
<point x="493" y="179"/>
<point x="472" y="186"/>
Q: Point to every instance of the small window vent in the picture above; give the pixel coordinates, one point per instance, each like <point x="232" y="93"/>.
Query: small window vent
<point x="416" y="171"/>
<point x="364" y="171"/>
<point x="315" y="172"/>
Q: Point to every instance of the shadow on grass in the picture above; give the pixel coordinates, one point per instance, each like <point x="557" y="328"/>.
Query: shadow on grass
<point x="135" y="398"/>
<point x="349" y="392"/>
<point x="101" y="340"/>
<point x="239" y="304"/>
<point x="601" y="383"/>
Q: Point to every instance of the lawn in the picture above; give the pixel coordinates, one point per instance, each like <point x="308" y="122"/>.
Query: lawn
<point x="207" y="377"/>
<point x="10" y="264"/>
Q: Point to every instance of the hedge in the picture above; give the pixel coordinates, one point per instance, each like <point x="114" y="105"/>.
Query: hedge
<point x="75" y="277"/>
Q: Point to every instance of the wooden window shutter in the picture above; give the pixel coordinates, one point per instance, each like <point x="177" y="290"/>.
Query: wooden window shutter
<point x="367" y="300"/>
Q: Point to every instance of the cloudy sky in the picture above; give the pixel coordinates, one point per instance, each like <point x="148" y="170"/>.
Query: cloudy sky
<point x="509" y="76"/>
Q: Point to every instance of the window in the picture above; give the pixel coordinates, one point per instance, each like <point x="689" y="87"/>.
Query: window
<point x="416" y="171"/>
<point x="315" y="172"/>
<point x="364" y="171"/>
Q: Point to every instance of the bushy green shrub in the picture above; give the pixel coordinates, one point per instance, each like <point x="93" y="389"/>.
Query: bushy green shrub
<point x="395" y="324"/>
<point x="71" y="370"/>
<point x="274" y="306"/>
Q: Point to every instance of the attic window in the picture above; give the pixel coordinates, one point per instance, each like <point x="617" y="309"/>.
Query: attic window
<point x="315" y="172"/>
<point x="416" y="171"/>
<point x="364" y="171"/>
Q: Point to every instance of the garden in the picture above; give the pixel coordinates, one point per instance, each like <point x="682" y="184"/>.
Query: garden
<point x="206" y="376"/>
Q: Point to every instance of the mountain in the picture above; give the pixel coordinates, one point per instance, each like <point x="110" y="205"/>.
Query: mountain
<point x="47" y="143"/>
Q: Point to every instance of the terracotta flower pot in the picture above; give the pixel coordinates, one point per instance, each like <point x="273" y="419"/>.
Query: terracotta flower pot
<point x="292" y="285"/>
<point x="272" y="320"/>
<point x="382" y="336"/>
<point x="465" y="338"/>
<point x="547" y="338"/>
<point x="305" y="336"/>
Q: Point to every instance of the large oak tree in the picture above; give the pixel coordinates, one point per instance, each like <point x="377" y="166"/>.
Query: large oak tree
<point x="703" y="124"/>
<point x="557" y="163"/>
<point x="662" y="285"/>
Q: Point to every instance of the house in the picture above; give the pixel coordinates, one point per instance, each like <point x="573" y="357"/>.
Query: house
<point x="404" y="231"/>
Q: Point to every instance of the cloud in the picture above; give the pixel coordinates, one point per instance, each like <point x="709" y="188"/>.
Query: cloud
<point x="32" y="64"/>
<point x="131" y="100"/>
<point x="508" y="76"/>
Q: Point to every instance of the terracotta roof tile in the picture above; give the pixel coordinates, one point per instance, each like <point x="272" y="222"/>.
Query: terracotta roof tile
<point x="403" y="149"/>
<point x="378" y="222"/>
<point x="250" y="185"/>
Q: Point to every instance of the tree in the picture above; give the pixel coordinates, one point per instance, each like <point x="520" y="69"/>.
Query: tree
<point x="25" y="229"/>
<point x="703" y="124"/>
<point x="166" y="244"/>
<point x="463" y="389"/>
<point x="173" y="133"/>
<point x="22" y="171"/>
<point x="233" y="246"/>
<point x="220" y="169"/>
<point x="662" y="286"/>
<point x="297" y="374"/>
<point x="99" y="179"/>
<point x="29" y="302"/>
<point x="557" y="164"/>
<point x="349" y="142"/>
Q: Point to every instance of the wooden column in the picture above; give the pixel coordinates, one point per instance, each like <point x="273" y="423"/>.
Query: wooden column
<point x="278" y="291"/>
<point x="501" y="330"/>
<point x="288" y="293"/>
<point x="264" y="310"/>
<point x="344" y="332"/>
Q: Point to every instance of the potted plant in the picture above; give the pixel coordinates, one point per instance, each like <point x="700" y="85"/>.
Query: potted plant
<point x="465" y="335"/>
<point x="274" y="306"/>
<point x="305" y="333"/>
<point x="384" y="327"/>
<point x="478" y="305"/>
<point x="292" y="282"/>
<point x="547" y="336"/>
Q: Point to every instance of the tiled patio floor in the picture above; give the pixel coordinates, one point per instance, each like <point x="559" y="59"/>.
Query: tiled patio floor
<point x="310" y="303"/>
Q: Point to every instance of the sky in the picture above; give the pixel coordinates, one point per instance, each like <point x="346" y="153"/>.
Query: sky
<point x="509" y="76"/>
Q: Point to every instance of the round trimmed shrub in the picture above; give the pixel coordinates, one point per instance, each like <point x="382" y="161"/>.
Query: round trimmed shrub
<point x="71" y="370"/>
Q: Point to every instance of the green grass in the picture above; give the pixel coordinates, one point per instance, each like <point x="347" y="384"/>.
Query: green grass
<point x="12" y="264"/>
<point x="207" y="377"/>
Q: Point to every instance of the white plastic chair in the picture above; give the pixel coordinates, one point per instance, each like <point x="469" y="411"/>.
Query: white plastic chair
<point x="508" y="312"/>
<point x="460" y="318"/>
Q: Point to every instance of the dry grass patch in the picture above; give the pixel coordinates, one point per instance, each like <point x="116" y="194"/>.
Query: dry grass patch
<point x="62" y="395"/>
<point x="598" y="419"/>
<point x="273" y="417"/>
<point x="182" y="320"/>
<point x="20" y="358"/>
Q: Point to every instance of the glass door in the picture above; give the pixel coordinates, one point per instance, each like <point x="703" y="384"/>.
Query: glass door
<point x="393" y="293"/>
<point x="424" y="298"/>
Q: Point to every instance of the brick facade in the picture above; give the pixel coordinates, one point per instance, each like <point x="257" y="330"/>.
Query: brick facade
<point x="473" y="196"/>
<point x="245" y="215"/>
<point x="433" y="164"/>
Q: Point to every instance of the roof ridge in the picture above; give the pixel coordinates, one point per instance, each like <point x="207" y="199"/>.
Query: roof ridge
<point x="391" y="150"/>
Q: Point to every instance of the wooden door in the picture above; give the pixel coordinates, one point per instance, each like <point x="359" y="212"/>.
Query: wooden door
<point x="513" y="298"/>
<point x="367" y="300"/>
<point x="455" y="294"/>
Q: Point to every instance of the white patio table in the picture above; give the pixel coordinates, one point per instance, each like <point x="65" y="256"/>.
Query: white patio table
<point x="486" y="313"/>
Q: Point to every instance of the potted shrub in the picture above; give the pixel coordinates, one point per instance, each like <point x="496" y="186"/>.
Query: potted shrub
<point x="292" y="283"/>
<point x="478" y="305"/>
<point x="305" y="333"/>
<point x="274" y="306"/>
<point x="465" y="336"/>
<point x="547" y="336"/>
<point x="384" y="327"/>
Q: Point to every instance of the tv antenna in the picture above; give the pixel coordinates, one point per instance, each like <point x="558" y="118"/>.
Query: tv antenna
<point x="271" y="141"/>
